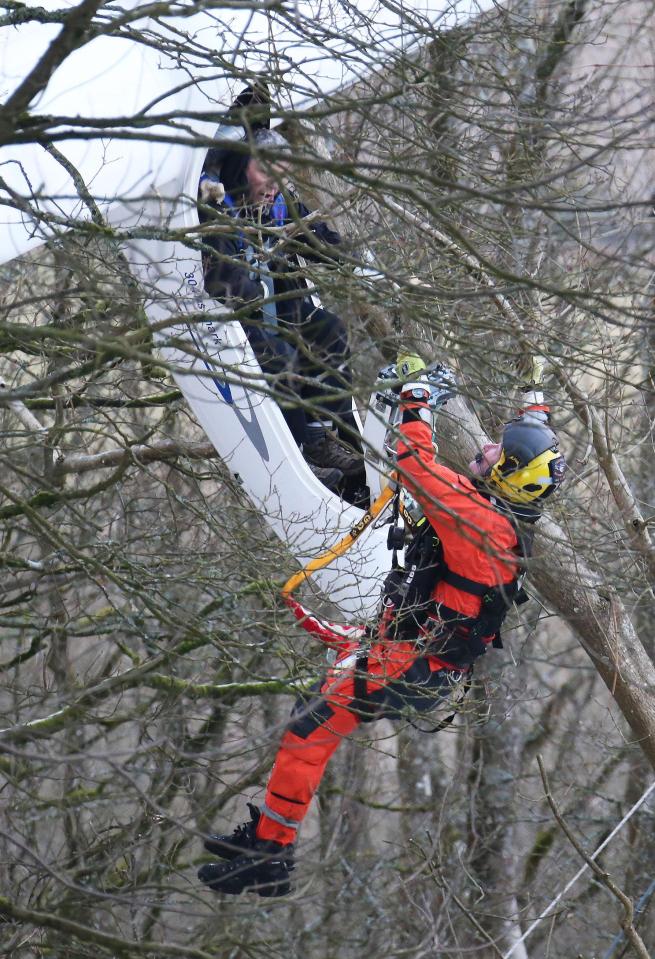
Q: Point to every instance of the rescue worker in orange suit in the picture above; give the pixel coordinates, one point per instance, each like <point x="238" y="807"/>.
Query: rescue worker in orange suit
<point x="483" y="526"/>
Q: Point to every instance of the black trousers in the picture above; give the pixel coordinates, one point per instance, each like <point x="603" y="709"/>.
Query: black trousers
<point x="306" y="358"/>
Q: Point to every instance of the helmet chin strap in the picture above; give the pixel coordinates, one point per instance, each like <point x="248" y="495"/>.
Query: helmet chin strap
<point x="524" y="512"/>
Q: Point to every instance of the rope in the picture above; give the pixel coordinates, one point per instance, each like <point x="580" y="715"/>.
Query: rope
<point x="557" y="898"/>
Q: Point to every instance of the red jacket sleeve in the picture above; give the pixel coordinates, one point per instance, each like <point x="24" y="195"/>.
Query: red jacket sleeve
<point x="478" y="541"/>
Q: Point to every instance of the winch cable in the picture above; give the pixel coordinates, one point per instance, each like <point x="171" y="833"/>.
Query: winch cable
<point x="548" y="910"/>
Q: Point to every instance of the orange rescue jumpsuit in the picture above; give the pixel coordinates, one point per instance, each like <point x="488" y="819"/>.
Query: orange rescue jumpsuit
<point x="479" y="543"/>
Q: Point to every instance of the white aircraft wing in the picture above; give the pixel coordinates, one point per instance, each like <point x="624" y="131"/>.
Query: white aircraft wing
<point x="181" y="67"/>
<point x="175" y="75"/>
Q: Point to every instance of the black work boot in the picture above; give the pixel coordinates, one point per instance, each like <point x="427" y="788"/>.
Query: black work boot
<point x="264" y="869"/>
<point x="325" y="450"/>
<point x="330" y="477"/>
<point x="243" y="837"/>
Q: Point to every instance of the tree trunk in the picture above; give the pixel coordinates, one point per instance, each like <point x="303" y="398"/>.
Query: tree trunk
<point x="495" y="851"/>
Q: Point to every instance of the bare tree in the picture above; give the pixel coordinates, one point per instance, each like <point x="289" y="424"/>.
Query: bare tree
<point x="495" y="173"/>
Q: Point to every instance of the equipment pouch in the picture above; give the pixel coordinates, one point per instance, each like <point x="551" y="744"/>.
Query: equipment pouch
<point x="408" y="591"/>
<point x="495" y="604"/>
<point x="453" y="643"/>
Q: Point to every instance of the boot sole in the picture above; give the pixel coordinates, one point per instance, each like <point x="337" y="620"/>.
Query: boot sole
<point x="234" y="885"/>
<point x="268" y="890"/>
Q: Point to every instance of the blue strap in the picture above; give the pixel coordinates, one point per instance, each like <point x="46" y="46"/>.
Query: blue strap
<point x="278" y="212"/>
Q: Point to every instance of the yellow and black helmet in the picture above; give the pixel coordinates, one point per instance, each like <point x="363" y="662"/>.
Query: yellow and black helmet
<point x="530" y="466"/>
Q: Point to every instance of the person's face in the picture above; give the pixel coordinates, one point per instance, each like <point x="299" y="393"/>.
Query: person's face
<point x="262" y="184"/>
<point x="484" y="461"/>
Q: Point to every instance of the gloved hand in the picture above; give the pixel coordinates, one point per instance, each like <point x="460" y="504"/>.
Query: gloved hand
<point x="531" y="371"/>
<point x="429" y="386"/>
<point x="415" y="402"/>
<point x="532" y="374"/>
<point x="211" y="190"/>
<point x="443" y="384"/>
<point x="409" y="366"/>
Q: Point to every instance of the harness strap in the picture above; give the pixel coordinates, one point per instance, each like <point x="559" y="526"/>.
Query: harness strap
<point x="361" y="704"/>
<point x="368" y="711"/>
<point x="394" y="526"/>
<point x="234" y="213"/>
<point x="278" y="212"/>
<point x="465" y="584"/>
<point x="262" y="273"/>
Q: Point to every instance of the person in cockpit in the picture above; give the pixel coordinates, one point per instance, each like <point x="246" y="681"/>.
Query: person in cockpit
<point x="257" y="268"/>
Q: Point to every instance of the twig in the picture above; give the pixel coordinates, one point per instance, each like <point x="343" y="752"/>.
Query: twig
<point x="435" y="872"/>
<point x="157" y="451"/>
<point x="633" y="519"/>
<point x="27" y="418"/>
<point x="472" y="264"/>
<point x="11" y="911"/>
<point x="547" y="911"/>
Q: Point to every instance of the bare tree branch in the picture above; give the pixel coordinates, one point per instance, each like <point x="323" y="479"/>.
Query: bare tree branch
<point x="627" y="923"/>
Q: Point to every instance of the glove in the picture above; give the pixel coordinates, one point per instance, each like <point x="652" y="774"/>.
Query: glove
<point x="409" y="366"/>
<point x="443" y="384"/>
<point x="432" y="387"/>
<point x="415" y="402"/>
<point x="211" y="190"/>
<point x="534" y="373"/>
<point x="532" y="396"/>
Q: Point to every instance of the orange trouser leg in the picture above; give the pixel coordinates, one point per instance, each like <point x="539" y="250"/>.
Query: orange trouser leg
<point x="306" y="747"/>
<point x="317" y="728"/>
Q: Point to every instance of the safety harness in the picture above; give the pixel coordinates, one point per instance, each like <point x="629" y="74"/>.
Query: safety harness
<point x="278" y="215"/>
<point x="407" y="608"/>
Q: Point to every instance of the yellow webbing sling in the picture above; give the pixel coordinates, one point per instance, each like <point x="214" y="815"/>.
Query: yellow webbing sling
<point x="344" y="544"/>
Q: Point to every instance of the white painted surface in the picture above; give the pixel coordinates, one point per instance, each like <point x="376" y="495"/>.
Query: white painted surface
<point x="117" y="77"/>
<point x="137" y="182"/>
